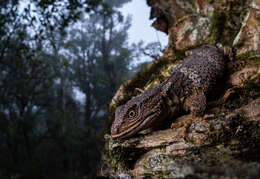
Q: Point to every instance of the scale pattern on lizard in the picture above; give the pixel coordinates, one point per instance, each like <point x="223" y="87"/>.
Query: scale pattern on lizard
<point x="185" y="89"/>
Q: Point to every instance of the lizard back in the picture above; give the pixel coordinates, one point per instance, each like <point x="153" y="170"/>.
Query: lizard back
<point x="199" y="72"/>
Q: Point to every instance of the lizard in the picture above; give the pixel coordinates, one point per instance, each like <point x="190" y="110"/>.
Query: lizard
<point x="185" y="89"/>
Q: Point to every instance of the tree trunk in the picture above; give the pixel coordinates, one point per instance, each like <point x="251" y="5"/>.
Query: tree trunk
<point x="87" y="104"/>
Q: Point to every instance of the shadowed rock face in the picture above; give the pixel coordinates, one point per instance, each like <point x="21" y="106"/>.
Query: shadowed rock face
<point x="231" y="149"/>
<point x="249" y="34"/>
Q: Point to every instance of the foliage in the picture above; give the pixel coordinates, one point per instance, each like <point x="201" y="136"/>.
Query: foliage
<point x="47" y="56"/>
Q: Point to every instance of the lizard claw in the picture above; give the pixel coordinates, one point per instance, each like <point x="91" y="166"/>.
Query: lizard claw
<point x="185" y="124"/>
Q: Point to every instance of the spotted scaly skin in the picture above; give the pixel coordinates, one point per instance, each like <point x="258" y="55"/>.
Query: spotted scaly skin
<point x="186" y="89"/>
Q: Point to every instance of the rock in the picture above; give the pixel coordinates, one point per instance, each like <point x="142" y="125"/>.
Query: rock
<point x="201" y="127"/>
<point x="190" y="32"/>
<point x="231" y="148"/>
<point x="158" y="164"/>
<point x="239" y="78"/>
<point x="192" y="23"/>
<point x="161" y="24"/>
<point x="248" y="38"/>
<point x="123" y="176"/>
<point x="251" y="111"/>
<point x="160" y="151"/>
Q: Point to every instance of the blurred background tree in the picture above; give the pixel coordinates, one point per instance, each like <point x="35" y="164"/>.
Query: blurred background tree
<point x="61" y="61"/>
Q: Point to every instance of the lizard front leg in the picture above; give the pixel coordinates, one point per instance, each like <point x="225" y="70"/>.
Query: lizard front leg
<point x="196" y="104"/>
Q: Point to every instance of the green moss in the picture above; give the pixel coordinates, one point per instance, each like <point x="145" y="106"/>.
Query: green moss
<point x="223" y="28"/>
<point x="250" y="56"/>
<point x="148" y="175"/>
<point x="249" y="91"/>
<point x="252" y="88"/>
<point x="182" y="19"/>
<point x="192" y="140"/>
<point x="120" y="157"/>
<point x="218" y="21"/>
<point x="246" y="55"/>
<point x="180" y="54"/>
<point x="161" y="175"/>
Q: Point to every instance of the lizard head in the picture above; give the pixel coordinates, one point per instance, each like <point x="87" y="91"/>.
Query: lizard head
<point x="138" y="114"/>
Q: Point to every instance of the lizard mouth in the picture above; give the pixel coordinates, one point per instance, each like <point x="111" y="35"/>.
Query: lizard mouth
<point x="134" y="127"/>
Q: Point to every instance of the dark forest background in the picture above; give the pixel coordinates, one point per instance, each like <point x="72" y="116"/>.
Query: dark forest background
<point x="61" y="61"/>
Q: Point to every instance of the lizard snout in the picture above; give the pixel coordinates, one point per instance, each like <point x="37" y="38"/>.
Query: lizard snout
<point x="114" y="129"/>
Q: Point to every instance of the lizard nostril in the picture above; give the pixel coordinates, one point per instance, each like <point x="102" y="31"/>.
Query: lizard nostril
<point x="114" y="129"/>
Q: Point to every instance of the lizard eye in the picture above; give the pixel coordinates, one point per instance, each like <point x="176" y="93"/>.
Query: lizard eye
<point x="131" y="113"/>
